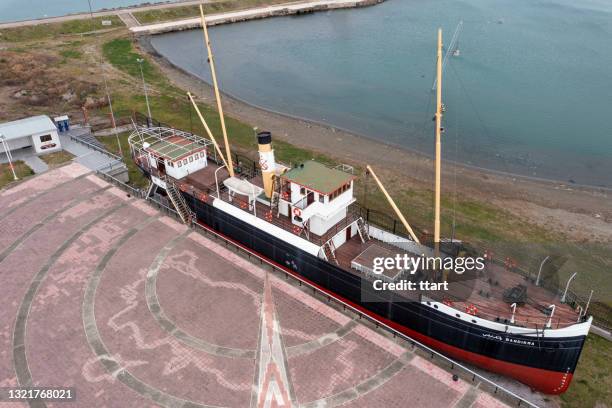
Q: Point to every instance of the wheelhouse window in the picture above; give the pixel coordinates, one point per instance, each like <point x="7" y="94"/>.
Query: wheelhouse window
<point x="45" y="138"/>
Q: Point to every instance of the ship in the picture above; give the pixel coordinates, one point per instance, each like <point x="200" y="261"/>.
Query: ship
<point x="303" y="218"/>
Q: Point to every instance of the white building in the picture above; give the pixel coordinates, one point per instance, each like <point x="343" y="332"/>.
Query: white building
<point x="316" y="195"/>
<point x="38" y="132"/>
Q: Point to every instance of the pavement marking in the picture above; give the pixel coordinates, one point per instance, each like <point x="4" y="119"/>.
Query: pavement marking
<point x="321" y="341"/>
<point x="273" y="384"/>
<point x="20" y="361"/>
<point x="468" y="399"/>
<point x="39" y="195"/>
<point x="364" y="387"/>
<point x="94" y="338"/>
<point x="41" y="223"/>
<point x="169" y="326"/>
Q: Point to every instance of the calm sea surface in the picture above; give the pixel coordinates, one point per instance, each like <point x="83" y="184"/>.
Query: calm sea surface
<point x="15" y="10"/>
<point x="530" y="92"/>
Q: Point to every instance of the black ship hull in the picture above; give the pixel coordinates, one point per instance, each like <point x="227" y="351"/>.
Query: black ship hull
<point x="546" y="364"/>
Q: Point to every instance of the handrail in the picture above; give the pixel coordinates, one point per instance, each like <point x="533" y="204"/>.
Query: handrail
<point x="94" y="147"/>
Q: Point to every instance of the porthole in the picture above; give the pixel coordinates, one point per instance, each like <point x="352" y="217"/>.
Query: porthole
<point x="436" y="306"/>
<point x="457" y="315"/>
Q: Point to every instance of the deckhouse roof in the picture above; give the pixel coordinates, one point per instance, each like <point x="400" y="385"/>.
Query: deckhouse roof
<point x="318" y="177"/>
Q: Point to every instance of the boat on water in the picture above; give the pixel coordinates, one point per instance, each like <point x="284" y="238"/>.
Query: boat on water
<point x="304" y="219"/>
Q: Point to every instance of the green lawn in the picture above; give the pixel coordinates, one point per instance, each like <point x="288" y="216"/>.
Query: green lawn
<point x="592" y="383"/>
<point x="136" y="179"/>
<point x="46" y="31"/>
<point x="174" y="13"/>
<point x="6" y="175"/>
<point x="57" y="158"/>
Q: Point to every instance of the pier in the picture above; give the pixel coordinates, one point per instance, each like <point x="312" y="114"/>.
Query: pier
<point x="251" y="14"/>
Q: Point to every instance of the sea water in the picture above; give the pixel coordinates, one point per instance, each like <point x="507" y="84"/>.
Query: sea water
<point x="530" y="92"/>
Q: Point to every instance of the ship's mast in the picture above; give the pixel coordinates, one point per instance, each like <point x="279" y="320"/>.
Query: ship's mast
<point x="228" y="153"/>
<point x="438" y="158"/>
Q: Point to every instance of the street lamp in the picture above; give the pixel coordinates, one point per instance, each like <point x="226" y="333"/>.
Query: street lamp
<point x="8" y="155"/>
<point x="144" y="85"/>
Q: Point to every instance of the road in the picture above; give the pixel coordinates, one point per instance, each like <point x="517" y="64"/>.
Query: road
<point x="114" y="12"/>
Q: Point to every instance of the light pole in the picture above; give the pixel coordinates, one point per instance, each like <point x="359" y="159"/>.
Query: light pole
<point x="144" y="85"/>
<point x="8" y="155"/>
<point x="567" y="286"/>
<point x="537" y="282"/>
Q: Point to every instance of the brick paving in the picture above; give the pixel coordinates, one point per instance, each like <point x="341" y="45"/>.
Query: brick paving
<point x="103" y="293"/>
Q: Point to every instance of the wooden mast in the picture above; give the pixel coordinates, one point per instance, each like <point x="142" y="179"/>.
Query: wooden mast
<point x="438" y="158"/>
<point x="392" y="203"/>
<point x="212" y="138"/>
<point x="230" y="167"/>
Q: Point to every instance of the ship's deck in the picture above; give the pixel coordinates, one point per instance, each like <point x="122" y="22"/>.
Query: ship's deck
<point x="484" y="291"/>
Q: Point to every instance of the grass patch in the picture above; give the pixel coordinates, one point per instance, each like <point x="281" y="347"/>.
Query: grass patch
<point x="592" y="383"/>
<point x="6" y="175"/>
<point x="74" y="54"/>
<point x="47" y="31"/>
<point x="121" y="54"/>
<point x="136" y="178"/>
<point x="175" y="13"/>
<point x="57" y="158"/>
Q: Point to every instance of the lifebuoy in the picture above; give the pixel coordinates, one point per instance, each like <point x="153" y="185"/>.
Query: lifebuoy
<point x="285" y="196"/>
<point x="297" y="212"/>
<point x="297" y="230"/>
<point x="202" y="197"/>
<point x="243" y="205"/>
<point x="447" y="302"/>
<point x="269" y="216"/>
<point x="471" y="309"/>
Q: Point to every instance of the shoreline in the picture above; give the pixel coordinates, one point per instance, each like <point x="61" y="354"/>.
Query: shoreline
<point x="337" y="129"/>
<point x="250" y="14"/>
<point x="581" y="212"/>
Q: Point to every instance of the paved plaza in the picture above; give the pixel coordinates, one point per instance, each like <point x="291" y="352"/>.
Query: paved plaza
<point x="103" y="293"/>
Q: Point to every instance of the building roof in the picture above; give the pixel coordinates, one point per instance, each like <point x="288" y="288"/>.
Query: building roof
<point x="318" y="177"/>
<point x="26" y="127"/>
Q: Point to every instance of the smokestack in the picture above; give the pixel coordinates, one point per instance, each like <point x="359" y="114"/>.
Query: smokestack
<point x="266" y="160"/>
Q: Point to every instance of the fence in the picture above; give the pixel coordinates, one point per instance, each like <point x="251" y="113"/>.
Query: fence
<point x="94" y="147"/>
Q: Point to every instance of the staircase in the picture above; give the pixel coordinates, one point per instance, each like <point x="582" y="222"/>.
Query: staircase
<point x="328" y="250"/>
<point x="178" y="201"/>
<point x="363" y="230"/>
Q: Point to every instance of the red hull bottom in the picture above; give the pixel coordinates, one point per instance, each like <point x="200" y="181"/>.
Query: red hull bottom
<point x="546" y="381"/>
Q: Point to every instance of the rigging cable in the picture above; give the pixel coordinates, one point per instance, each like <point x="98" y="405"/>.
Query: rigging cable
<point x="108" y="97"/>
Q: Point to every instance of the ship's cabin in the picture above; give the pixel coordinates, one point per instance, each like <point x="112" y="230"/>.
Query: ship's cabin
<point x="315" y="196"/>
